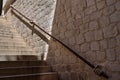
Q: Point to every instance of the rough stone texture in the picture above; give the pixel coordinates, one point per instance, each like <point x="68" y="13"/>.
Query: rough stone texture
<point x="94" y="25"/>
<point x="89" y="27"/>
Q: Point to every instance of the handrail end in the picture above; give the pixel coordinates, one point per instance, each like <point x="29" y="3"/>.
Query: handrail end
<point x="99" y="71"/>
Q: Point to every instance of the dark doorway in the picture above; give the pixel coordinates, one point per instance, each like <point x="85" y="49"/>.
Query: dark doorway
<point x="1" y="4"/>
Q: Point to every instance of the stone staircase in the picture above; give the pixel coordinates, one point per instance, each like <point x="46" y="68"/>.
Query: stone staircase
<point x="26" y="70"/>
<point x="18" y="61"/>
<point x="11" y="43"/>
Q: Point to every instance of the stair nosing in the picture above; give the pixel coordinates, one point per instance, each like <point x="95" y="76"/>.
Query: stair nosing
<point x="24" y="67"/>
<point x="26" y="75"/>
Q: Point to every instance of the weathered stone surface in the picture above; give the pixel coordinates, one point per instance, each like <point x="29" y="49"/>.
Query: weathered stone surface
<point x="103" y="44"/>
<point x="118" y="53"/>
<point x="110" y="31"/>
<point x="93" y="25"/>
<point x="85" y="47"/>
<point x="98" y="35"/>
<point x="115" y="66"/>
<point x="101" y="5"/>
<point x="111" y="54"/>
<point x="90" y="10"/>
<point x="80" y="39"/>
<point x="108" y="10"/>
<point x="117" y="5"/>
<point x="89" y="36"/>
<point x="115" y="17"/>
<point x="95" y="46"/>
<point x="104" y="21"/>
<point x="112" y="43"/>
<point x="91" y="56"/>
<point x="90" y="2"/>
<point x="100" y="56"/>
<point x="118" y="40"/>
<point x="109" y="2"/>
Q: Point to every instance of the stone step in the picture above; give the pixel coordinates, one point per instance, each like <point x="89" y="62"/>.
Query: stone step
<point x="37" y="76"/>
<point x="11" y="38"/>
<point x="8" y="52"/>
<point x="8" y="34"/>
<point x="23" y="61"/>
<point x="24" y="70"/>
<point x="12" y="44"/>
<point x="15" y="48"/>
<point x="12" y="41"/>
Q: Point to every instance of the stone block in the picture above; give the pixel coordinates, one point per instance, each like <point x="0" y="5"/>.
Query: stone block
<point x="98" y="35"/>
<point x="90" y="2"/>
<point x="98" y="0"/>
<point x="85" y="47"/>
<point x="80" y="39"/>
<point x="110" y="31"/>
<point x="93" y="25"/>
<point x="115" y="17"/>
<point x="74" y="76"/>
<point x="118" y="40"/>
<point x="100" y="56"/>
<point x="84" y="28"/>
<point x="114" y="66"/>
<point x="109" y="10"/>
<point x="72" y="41"/>
<point x="89" y="36"/>
<point x="90" y="10"/>
<point x="90" y="56"/>
<point x="112" y="43"/>
<point x="104" y="21"/>
<point x="117" y="5"/>
<point x="118" y="53"/>
<point x="111" y="54"/>
<point x="101" y="5"/>
<point x="96" y="15"/>
<point x="110" y="2"/>
<point x="95" y="46"/>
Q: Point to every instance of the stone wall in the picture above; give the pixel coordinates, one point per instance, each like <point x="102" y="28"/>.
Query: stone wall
<point x="91" y="28"/>
<point x="41" y="12"/>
